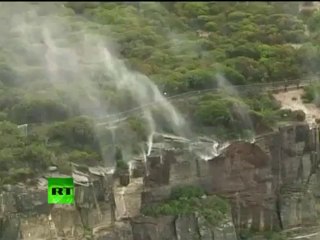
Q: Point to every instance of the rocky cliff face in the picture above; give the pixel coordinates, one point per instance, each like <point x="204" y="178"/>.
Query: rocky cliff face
<point x="272" y="184"/>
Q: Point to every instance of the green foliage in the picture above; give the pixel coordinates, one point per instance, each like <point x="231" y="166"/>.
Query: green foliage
<point x="3" y="116"/>
<point x="233" y="76"/>
<point x="200" y="79"/>
<point x="7" y="75"/>
<point x="17" y="175"/>
<point x="274" y="236"/>
<point x="37" y="155"/>
<point x="81" y="157"/>
<point x="214" y="111"/>
<point x="314" y="22"/>
<point x="246" y="234"/>
<point x="188" y="200"/>
<point x="311" y="94"/>
<point x="38" y="110"/>
<point x="19" y="152"/>
<point x="118" y="154"/>
<point x="121" y="165"/>
<point x="308" y="57"/>
<point x="250" y="69"/>
<point x="238" y="16"/>
<point x="247" y="50"/>
<point x="187" y="192"/>
<point x="234" y="117"/>
<point x="259" y="102"/>
<point x="181" y="46"/>
<point x="76" y="133"/>
<point x="299" y="115"/>
<point x="138" y="126"/>
<point x="247" y="27"/>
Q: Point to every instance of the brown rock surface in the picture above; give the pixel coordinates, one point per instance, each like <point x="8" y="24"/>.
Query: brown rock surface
<point x="272" y="183"/>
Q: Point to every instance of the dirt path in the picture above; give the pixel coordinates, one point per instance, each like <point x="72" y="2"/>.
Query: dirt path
<point x="287" y="102"/>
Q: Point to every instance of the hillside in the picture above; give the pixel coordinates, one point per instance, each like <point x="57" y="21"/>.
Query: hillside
<point x="64" y="67"/>
<point x="160" y="113"/>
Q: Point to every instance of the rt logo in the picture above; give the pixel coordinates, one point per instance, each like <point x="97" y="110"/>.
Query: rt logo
<point x="60" y="191"/>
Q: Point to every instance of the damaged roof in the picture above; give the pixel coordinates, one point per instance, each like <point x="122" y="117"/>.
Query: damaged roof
<point x="100" y="171"/>
<point x="80" y="178"/>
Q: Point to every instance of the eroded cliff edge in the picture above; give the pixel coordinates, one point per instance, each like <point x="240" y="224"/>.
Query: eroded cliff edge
<point x="271" y="184"/>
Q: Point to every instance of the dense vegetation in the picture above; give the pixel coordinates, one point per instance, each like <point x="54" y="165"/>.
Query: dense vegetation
<point x="181" y="47"/>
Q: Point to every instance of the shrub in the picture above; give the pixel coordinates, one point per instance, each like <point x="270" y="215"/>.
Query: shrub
<point x="82" y="157"/>
<point x="311" y="94"/>
<point x="122" y="165"/>
<point x="188" y="200"/>
<point x="138" y="126"/>
<point x="36" y="155"/>
<point x="187" y="192"/>
<point x="38" y="110"/>
<point x="20" y="174"/>
<point x="77" y="133"/>
<point x="299" y="115"/>
<point x="3" y="116"/>
<point x="213" y="112"/>
<point x="274" y="236"/>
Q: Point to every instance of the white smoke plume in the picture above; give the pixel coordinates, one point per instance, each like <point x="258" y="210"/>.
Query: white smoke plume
<point x="50" y="45"/>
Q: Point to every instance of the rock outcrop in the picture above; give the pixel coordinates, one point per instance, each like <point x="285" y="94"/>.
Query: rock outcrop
<point x="272" y="184"/>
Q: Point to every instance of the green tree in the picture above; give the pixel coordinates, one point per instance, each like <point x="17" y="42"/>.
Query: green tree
<point x="36" y="156"/>
<point x="214" y="112"/>
<point x="250" y="69"/>
<point x="247" y="50"/>
<point x="201" y="79"/>
<point x="38" y="110"/>
<point x="77" y="133"/>
<point x="233" y="76"/>
<point x="314" y="22"/>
